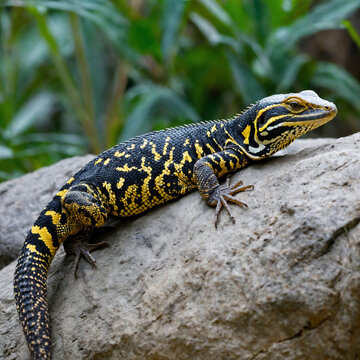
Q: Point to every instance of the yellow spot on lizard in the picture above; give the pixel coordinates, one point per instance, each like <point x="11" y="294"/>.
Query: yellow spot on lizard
<point x="112" y="196"/>
<point x="45" y="236"/>
<point x="210" y="148"/>
<point x="119" y="154"/>
<point x="55" y="217"/>
<point x="224" y="169"/>
<point x="143" y="144"/>
<point x="246" y="134"/>
<point x="166" y="145"/>
<point x="157" y="156"/>
<point x="120" y="183"/>
<point x="126" y="168"/>
<point x="199" y="150"/>
<point x="145" y="190"/>
<point x="62" y="192"/>
<point x="32" y="248"/>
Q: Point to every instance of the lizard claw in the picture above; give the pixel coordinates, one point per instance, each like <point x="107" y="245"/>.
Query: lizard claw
<point x="224" y="194"/>
<point x="80" y="246"/>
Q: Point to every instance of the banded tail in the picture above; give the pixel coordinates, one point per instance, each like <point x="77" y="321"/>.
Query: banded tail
<point x="30" y="277"/>
<point x="73" y="209"/>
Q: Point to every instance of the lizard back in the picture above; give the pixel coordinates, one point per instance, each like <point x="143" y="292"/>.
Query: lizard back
<point x="151" y="169"/>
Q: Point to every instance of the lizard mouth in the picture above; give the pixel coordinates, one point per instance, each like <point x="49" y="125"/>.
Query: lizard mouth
<point x="326" y="114"/>
<point x="319" y="117"/>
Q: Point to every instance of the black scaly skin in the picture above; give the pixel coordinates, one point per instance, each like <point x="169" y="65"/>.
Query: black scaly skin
<point x="146" y="171"/>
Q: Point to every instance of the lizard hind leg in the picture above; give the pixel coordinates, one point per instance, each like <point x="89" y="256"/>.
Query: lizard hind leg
<point x="84" y="208"/>
<point x="83" y="213"/>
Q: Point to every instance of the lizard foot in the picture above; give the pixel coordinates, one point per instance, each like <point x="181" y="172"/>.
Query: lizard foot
<point x="81" y="246"/>
<point x="224" y="194"/>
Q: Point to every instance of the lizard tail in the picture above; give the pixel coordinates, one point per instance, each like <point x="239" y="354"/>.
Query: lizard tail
<point x="30" y="277"/>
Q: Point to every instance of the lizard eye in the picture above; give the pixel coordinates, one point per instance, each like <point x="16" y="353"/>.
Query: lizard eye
<point x="295" y="106"/>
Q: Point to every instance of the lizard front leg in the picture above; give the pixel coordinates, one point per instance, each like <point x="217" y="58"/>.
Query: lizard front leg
<point x="208" y="169"/>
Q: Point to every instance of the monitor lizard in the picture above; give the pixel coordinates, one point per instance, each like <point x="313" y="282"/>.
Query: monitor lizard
<point x="146" y="171"/>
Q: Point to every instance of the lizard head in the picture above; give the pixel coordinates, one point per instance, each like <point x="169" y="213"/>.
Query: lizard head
<point x="278" y="120"/>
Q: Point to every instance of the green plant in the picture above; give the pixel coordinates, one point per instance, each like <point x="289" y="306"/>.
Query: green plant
<point x="79" y="76"/>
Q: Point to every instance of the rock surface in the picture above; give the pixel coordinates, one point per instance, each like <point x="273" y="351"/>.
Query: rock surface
<point x="282" y="283"/>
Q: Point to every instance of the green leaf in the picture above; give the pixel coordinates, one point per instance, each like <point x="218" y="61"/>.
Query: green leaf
<point x="141" y="89"/>
<point x="138" y="120"/>
<point x="6" y="152"/>
<point x="339" y="81"/>
<point x="217" y="11"/>
<point x="99" y="11"/>
<point x="291" y="73"/>
<point x="327" y="15"/>
<point x="172" y="15"/>
<point x="36" y="109"/>
<point x="352" y="32"/>
<point x="5" y="175"/>
<point x="211" y="33"/>
<point x="33" y="52"/>
<point x="287" y="5"/>
<point x="42" y="149"/>
<point x="103" y="13"/>
<point x="59" y="138"/>
<point x="246" y="84"/>
<point x="261" y="19"/>
<point x="144" y="37"/>
<point x="156" y="99"/>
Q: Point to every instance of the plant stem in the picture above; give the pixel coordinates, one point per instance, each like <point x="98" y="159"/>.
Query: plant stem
<point x="65" y="77"/>
<point x="352" y="32"/>
<point x="112" y="120"/>
<point x="83" y="66"/>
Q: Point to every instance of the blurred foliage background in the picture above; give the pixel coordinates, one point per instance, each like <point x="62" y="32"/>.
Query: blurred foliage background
<point x="80" y="76"/>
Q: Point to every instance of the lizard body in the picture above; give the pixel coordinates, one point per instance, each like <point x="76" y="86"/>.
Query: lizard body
<point x="146" y="171"/>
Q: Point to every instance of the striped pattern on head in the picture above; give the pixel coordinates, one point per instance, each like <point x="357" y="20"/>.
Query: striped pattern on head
<point x="280" y="119"/>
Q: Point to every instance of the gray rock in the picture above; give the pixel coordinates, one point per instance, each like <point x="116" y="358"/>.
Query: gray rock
<point x="282" y="283"/>
<point x="22" y="200"/>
